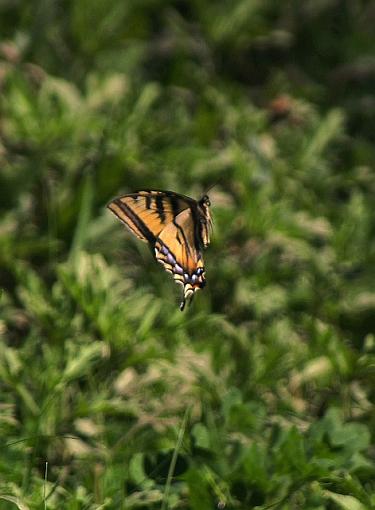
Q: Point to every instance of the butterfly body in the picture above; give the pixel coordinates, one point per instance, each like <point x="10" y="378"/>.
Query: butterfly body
<point x="177" y="228"/>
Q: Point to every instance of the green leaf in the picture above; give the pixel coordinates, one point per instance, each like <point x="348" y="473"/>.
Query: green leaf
<point x="254" y="463"/>
<point x="291" y="452"/>
<point x="353" y="436"/>
<point x="199" y="490"/>
<point x="201" y="436"/>
<point x="136" y="469"/>
<point x="80" y="362"/>
<point x="15" y="501"/>
<point x="345" y="502"/>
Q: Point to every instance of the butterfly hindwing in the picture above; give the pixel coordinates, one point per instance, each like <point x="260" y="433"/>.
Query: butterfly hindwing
<point x="176" y="227"/>
<point x="177" y="249"/>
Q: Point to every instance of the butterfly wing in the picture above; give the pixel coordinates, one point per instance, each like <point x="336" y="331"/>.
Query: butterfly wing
<point x="177" y="248"/>
<point x="146" y="213"/>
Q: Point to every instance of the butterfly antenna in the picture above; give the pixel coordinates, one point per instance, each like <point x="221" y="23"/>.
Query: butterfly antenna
<point x="212" y="186"/>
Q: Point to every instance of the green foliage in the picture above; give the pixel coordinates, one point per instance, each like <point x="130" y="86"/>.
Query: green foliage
<point x="261" y="394"/>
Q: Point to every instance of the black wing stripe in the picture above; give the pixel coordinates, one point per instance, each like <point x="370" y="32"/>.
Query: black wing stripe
<point x="148" y="201"/>
<point x="175" y="205"/>
<point x="181" y="230"/>
<point x="136" y="220"/>
<point x="197" y="228"/>
<point x="160" y="207"/>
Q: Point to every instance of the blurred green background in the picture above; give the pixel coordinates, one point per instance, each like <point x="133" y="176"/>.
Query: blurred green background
<point x="261" y="394"/>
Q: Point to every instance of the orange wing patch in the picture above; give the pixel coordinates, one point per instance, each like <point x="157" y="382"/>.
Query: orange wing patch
<point x="154" y="209"/>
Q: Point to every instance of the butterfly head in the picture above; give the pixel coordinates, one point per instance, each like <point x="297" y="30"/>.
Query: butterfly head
<point x="205" y="201"/>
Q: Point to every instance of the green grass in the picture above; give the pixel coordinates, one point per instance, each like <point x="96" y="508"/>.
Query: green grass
<point x="261" y="394"/>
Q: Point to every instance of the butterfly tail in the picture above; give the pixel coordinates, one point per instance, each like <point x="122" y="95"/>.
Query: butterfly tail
<point x="187" y="296"/>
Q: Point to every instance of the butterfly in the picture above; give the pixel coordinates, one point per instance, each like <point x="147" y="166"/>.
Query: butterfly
<point x="176" y="227"/>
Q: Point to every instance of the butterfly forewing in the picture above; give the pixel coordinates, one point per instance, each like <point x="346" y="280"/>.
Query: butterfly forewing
<point x="150" y="209"/>
<point x="175" y="226"/>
